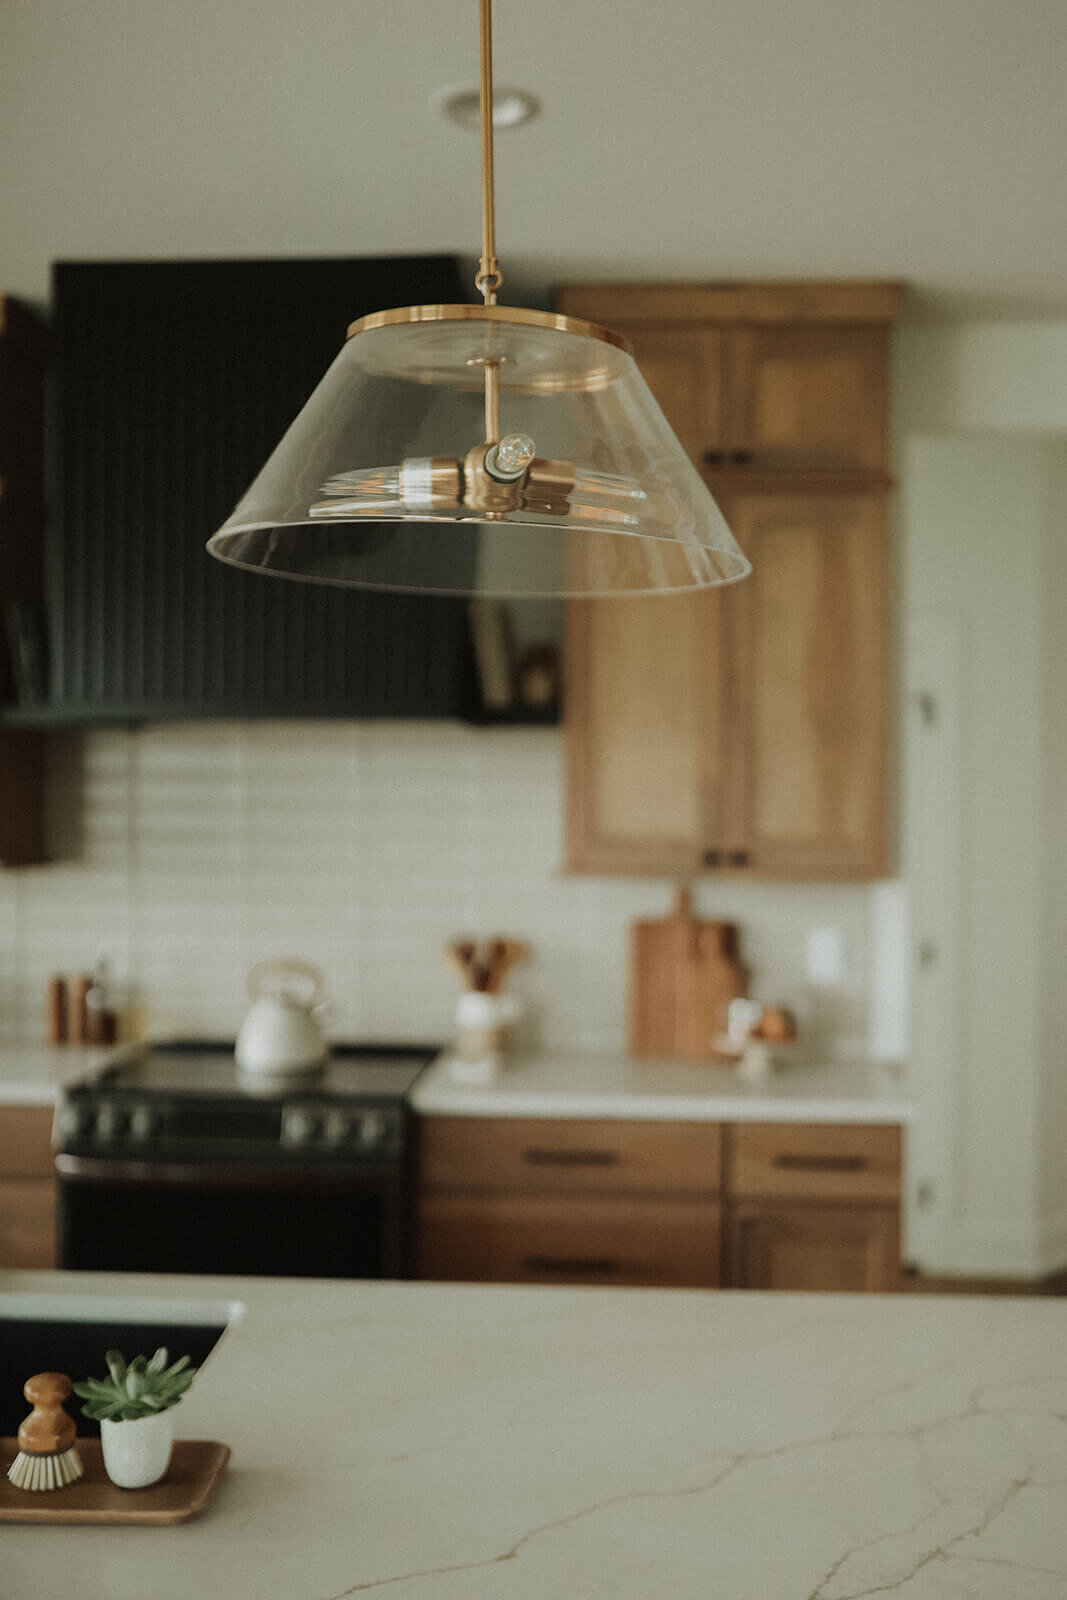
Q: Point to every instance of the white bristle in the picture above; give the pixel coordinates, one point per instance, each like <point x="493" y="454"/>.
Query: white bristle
<point x="40" y="1473"/>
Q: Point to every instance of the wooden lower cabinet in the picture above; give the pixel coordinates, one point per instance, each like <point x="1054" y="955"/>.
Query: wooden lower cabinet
<point x="835" y="1248"/>
<point x="522" y="1239"/>
<point x="27" y="1188"/>
<point x="659" y="1204"/>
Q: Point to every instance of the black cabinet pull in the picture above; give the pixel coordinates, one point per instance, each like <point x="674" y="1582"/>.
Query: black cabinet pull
<point x="571" y="1158"/>
<point x="820" y="1163"/>
<point x="742" y="458"/>
<point x="739" y="858"/>
<point x="713" y="458"/>
<point x="591" y="1266"/>
<point x="711" y="858"/>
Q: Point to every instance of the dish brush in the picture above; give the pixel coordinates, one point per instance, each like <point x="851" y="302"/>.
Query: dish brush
<point x="47" y="1458"/>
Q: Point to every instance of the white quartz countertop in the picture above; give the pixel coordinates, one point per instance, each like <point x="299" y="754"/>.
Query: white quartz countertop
<point x="449" y="1442"/>
<point x="619" y="1086"/>
<point x="33" y="1074"/>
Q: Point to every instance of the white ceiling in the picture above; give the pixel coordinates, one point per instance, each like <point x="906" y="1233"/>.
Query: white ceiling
<point x="921" y="140"/>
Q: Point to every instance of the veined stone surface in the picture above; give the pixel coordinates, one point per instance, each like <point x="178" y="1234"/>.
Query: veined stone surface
<point x="432" y="1442"/>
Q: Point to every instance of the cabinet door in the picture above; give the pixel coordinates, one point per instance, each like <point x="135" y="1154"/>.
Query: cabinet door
<point x="683" y="368"/>
<point x="22" y="825"/>
<point x="808" y="661"/>
<point x="808" y="397"/>
<point x="835" y="1248"/>
<point x="27" y="1223"/>
<point x="569" y="1239"/>
<point x="644" y="732"/>
<point x="22" y="365"/>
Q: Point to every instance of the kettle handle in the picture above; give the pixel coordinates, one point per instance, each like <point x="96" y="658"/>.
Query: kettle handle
<point x="282" y="967"/>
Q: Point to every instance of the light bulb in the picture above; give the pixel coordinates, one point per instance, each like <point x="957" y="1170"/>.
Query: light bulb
<point x="509" y="458"/>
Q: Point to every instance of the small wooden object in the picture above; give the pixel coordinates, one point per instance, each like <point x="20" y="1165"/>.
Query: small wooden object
<point x="46" y="1457"/>
<point x="195" y="1468"/>
<point x="56" y="1013"/>
<point x="77" y="1009"/>
<point x="483" y="967"/>
<point x="683" y="974"/>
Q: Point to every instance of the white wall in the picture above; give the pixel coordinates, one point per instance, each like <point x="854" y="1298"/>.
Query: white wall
<point x="1052" y="1012"/>
<point x="191" y="851"/>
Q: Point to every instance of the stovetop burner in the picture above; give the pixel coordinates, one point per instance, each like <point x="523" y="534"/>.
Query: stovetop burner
<point x="183" y="1069"/>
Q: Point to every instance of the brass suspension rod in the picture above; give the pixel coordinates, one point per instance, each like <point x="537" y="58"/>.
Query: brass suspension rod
<point x="489" y="276"/>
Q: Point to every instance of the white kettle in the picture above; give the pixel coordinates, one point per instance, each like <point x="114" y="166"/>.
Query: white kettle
<point x="281" y="1033"/>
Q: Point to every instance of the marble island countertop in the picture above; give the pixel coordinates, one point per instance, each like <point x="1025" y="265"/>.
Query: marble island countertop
<point x="432" y="1442"/>
<point x="621" y="1086"/>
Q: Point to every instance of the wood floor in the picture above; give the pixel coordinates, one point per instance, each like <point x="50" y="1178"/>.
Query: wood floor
<point x="913" y="1282"/>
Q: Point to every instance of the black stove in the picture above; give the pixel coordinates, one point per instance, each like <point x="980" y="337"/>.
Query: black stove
<point x="188" y="1101"/>
<point x="173" y="1161"/>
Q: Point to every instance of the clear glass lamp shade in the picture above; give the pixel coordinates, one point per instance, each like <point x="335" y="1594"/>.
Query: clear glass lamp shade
<point x="384" y="480"/>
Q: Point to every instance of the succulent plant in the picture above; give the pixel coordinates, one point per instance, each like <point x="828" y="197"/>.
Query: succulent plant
<point x="141" y="1389"/>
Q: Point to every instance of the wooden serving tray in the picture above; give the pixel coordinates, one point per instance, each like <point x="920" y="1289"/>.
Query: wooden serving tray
<point x="195" y="1467"/>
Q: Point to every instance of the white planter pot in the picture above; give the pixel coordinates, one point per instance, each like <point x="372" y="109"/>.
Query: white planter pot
<point x="138" y="1453"/>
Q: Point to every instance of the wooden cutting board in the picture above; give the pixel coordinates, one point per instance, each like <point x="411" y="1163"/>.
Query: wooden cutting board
<point x="684" y="972"/>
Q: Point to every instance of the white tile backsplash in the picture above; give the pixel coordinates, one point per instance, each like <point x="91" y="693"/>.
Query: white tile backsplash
<point x="190" y="851"/>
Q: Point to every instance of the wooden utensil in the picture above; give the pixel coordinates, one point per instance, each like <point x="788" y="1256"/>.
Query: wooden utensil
<point x="483" y="966"/>
<point x="684" y="971"/>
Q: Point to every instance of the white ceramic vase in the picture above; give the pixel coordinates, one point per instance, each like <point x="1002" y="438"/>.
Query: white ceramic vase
<point x="137" y="1453"/>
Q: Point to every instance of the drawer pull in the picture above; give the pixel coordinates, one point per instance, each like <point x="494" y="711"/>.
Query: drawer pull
<point x="592" y="1266"/>
<point x="820" y="1163"/>
<point x="571" y="1158"/>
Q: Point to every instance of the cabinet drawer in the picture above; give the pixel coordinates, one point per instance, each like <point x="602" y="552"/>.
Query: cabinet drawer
<point x="26" y="1142"/>
<point x="815" y="1161"/>
<point x="27" y="1223"/>
<point x="533" y="1153"/>
<point x="535" y="1239"/>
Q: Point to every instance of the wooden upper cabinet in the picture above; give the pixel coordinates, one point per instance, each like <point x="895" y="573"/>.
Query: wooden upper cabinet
<point x="771" y="376"/>
<point x="645" y="732"/>
<point x="807" y="398"/>
<point x="745" y="728"/>
<point x="807" y="781"/>
<point x="684" y="369"/>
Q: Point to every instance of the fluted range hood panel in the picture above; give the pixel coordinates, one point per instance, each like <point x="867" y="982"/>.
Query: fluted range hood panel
<point x="173" y="380"/>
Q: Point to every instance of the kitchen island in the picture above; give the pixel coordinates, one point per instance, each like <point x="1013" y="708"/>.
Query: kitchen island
<point x="488" y="1443"/>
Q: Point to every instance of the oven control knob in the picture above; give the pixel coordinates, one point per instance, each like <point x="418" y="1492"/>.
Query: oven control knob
<point x="338" y="1127"/>
<point x="70" y="1121"/>
<point x="143" y="1122"/>
<point x="300" y="1127"/>
<point x="372" y="1129"/>
<point x="108" y="1122"/>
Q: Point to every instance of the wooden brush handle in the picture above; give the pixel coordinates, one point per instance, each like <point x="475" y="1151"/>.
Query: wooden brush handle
<point x="47" y="1427"/>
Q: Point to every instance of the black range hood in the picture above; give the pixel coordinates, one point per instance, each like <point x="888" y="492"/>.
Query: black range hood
<point x="173" y="381"/>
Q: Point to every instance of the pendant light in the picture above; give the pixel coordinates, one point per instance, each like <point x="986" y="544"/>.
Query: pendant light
<point x="483" y="450"/>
